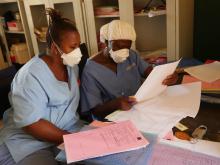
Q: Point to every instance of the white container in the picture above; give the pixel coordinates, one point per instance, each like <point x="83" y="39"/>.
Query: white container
<point x="17" y="16"/>
<point x="15" y="26"/>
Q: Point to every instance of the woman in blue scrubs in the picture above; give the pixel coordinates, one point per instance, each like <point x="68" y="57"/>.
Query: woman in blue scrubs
<point x="44" y="99"/>
<point x="114" y="74"/>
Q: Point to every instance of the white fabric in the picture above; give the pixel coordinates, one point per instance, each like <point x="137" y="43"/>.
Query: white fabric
<point x="118" y="29"/>
<point x="104" y="33"/>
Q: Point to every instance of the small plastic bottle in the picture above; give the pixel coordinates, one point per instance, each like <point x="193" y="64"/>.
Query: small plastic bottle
<point x="18" y="21"/>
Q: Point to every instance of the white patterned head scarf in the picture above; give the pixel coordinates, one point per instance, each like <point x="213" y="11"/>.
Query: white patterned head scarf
<point x="119" y="30"/>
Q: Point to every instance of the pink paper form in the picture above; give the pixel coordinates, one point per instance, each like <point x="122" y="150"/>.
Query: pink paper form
<point x="170" y="155"/>
<point x="115" y="138"/>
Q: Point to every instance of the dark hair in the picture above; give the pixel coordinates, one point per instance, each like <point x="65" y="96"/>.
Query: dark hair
<point x="57" y="26"/>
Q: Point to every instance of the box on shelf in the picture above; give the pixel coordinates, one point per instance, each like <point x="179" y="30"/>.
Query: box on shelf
<point x="14" y="26"/>
<point x="20" y="53"/>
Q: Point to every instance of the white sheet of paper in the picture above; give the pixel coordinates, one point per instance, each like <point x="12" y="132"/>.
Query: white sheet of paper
<point x="153" y="86"/>
<point x="160" y="114"/>
<point x="207" y="72"/>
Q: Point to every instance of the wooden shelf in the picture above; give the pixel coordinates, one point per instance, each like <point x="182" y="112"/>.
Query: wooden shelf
<point x="22" y="35"/>
<point x="41" y="41"/>
<point x="14" y="32"/>
<point x="7" y="1"/>
<point x="107" y="16"/>
<point x="153" y="53"/>
<point x="151" y="13"/>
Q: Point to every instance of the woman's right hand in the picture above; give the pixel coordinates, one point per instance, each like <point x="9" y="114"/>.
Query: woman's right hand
<point x="125" y="103"/>
<point x="120" y="103"/>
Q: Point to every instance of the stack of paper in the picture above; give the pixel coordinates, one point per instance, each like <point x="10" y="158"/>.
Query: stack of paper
<point x="137" y="157"/>
<point x="207" y="72"/>
<point x="160" y="114"/>
<point x="161" y="107"/>
<point x="212" y="87"/>
<point x="202" y="146"/>
<point x="102" y="141"/>
<point x="170" y="155"/>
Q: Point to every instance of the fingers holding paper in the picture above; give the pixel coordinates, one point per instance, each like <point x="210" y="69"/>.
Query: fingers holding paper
<point x="171" y="79"/>
<point x="125" y="103"/>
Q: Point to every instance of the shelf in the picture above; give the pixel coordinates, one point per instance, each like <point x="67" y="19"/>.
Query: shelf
<point x="7" y="1"/>
<point x="106" y="16"/>
<point x="154" y="53"/>
<point x="14" y="32"/>
<point x="41" y="41"/>
<point x="151" y="13"/>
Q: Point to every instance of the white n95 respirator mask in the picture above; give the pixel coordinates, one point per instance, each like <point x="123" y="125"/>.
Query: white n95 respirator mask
<point x="120" y="55"/>
<point x="72" y="58"/>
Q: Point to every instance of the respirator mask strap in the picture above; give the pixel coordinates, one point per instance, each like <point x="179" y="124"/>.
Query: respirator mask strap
<point x="58" y="48"/>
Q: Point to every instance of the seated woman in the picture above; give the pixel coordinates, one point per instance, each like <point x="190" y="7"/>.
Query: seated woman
<point x="114" y="74"/>
<point x="44" y="99"/>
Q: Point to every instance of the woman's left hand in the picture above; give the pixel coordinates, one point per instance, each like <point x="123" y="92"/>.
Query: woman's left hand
<point x="171" y="79"/>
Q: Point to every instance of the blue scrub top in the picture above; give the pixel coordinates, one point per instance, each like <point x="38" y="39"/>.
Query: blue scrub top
<point x="99" y="84"/>
<point x="36" y="94"/>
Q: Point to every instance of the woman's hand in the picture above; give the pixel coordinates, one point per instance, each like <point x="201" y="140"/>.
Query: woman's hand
<point x="171" y="79"/>
<point x="45" y="131"/>
<point x="125" y="103"/>
<point x="120" y="103"/>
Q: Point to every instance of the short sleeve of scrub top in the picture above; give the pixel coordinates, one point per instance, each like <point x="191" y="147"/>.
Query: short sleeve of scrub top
<point x="89" y="91"/>
<point x="29" y="101"/>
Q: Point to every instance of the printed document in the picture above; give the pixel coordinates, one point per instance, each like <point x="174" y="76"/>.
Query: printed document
<point x="115" y="138"/>
<point x="153" y="86"/>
